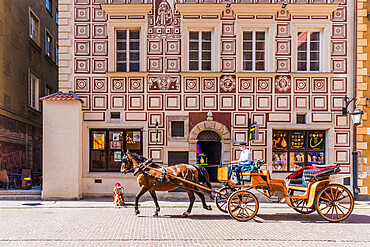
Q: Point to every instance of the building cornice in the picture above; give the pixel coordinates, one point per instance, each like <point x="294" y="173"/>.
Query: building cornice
<point x="126" y="9"/>
<point x="255" y="9"/>
<point x="311" y="9"/>
<point x="255" y="74"/>
<point x="312" y="74"/>
<point x="200" y="73"/>
<point x="126" y="74"/>
<point x="200" y="9"/>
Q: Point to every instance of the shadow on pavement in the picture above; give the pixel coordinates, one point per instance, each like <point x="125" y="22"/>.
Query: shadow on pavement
<point x="271" y="218"/>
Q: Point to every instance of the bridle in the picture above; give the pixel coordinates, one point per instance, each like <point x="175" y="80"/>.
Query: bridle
<point x="125" y="159"/>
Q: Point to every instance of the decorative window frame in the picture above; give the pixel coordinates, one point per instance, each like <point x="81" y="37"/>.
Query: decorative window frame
<point x="269" y="28"/>
<point x="120" y="21"/>
<point x="186" y="128"/>
<point x="324" y="27"/>
<point x="37" y="106"/>
<point x="206" y="25"/>
<point x="115" y="25"/>
<point x="32" y="13"/>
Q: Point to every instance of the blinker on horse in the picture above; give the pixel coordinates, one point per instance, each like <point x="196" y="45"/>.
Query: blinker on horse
<point x="152" y="177"/>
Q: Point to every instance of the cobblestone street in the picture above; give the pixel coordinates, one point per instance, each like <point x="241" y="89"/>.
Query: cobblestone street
<point x="274" y="226"/>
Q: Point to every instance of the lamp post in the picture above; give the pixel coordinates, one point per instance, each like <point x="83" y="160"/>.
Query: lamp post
<point x="356" y="119"/>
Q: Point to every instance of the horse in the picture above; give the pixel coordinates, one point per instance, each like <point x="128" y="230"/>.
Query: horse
<point x="153" y="180"/>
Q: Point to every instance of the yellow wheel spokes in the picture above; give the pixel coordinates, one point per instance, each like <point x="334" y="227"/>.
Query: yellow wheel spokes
<point x="242" y="205"/>
<point x="331" y="201"/>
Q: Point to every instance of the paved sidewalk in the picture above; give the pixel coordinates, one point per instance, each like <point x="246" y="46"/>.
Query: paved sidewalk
<point x="144" y="203"/>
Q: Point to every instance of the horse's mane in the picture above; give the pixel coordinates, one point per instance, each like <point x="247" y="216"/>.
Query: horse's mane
<point x="143" y="159"/>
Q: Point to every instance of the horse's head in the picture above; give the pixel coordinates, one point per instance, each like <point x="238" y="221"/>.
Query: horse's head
<point x="127" y="164"/>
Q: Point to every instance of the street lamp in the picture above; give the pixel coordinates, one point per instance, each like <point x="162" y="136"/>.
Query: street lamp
<point x="356" y="119"/>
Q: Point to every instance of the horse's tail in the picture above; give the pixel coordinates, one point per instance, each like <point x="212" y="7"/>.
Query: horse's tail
<point x="203" y="175"/>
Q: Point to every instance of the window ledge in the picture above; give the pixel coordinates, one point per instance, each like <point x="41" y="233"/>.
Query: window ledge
<point x="255" y="73"/>
<point x="193" y="9"/>
<point x="311" y="74"/>
<point x="50" y="60"/>
<point x="200" y="73"/>
<point x="34" y="110"/>
<point x="124" y="74"/>
<point x="311" y="9"/>
<point x="102" y="175"/>
<point x="126" y="9"/>
<point x="256" y="9"/>
<point x="38" y="48"/>
<point x="51" y="14"/>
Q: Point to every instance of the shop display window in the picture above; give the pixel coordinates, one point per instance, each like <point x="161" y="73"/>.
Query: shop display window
<point x="295" y="149"/>
<point x="107" y="147"/>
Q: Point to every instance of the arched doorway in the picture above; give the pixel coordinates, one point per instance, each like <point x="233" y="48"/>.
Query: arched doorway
<point x="209" y="152"/>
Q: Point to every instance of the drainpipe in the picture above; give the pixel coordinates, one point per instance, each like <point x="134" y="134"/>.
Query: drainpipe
<point x="355" y="153"/>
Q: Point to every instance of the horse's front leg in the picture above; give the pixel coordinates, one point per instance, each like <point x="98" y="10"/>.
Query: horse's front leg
<point x="205" y="206"/>
<point x="154" y="196"/>
<point x="141" y="192"/>
<point x="191" y="199"/>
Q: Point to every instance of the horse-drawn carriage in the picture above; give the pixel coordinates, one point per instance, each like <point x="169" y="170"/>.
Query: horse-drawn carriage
<point x="308" y="189"/>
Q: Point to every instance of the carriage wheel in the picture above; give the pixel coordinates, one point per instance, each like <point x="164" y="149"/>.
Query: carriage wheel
<point x="334" y="202"/>
<point x="300" y="206"/>
<point x="221" y="199"/>
<point x="242" y="205"/>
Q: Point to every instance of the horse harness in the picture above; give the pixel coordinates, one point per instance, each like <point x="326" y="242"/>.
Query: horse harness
<point x="141" y="170"/>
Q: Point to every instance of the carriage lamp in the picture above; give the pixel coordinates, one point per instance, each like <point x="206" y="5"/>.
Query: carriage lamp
<point x="357" y="113"/>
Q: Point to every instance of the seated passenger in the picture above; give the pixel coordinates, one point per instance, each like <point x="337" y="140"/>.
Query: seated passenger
<point x="245" y="159"/>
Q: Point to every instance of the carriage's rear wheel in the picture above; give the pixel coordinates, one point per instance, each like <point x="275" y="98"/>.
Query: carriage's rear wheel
<point x="221" y="199"/>
<point x="242" y="205"/>
<point x="334" y="202"/>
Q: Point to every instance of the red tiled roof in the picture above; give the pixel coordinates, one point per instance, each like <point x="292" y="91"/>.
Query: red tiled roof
<point x="62" y="96"/>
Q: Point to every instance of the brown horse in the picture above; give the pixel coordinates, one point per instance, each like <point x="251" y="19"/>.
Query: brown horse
<point x="152" y="179"/>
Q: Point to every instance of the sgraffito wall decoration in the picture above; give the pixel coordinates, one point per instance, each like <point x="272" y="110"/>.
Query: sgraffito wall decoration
<point x="265" y="97"/>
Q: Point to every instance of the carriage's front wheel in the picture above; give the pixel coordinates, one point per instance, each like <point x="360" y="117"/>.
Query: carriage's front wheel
<point x="221" y="198"/>
<point x="334" y="202"/>
<point x="300" y="205"/>
<point x="242" y="205"/>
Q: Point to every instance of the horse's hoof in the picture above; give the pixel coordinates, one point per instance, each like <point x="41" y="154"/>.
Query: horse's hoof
<point x="186" y="214"/>
<point x="155" y="214"/>
<point x="137" y="212"/>
<point x="209" y="207"/>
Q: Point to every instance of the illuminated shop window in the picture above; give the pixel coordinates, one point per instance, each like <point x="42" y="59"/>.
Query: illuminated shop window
<point x="107" y="147"/>
<point x="295" y="149"/>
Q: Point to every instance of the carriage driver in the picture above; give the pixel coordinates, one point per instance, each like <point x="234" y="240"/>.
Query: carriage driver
<point x="245" y="159"/>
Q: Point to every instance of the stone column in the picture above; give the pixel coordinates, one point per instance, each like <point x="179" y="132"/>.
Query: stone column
<point x="62" y="150"/>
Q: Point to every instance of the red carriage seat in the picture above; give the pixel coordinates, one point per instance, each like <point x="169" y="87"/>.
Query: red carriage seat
<point x="305" y="175"/>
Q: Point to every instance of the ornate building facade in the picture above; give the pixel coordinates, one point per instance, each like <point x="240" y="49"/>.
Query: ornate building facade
<point x="179" y="80"/>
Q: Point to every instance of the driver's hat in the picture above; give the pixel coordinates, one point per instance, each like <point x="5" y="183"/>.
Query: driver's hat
<point x="243" y="143"/>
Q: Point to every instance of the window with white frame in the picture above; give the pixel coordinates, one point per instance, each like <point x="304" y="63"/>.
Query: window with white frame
<point x="128" y="50"/>
<point x="49" y="45"/>
<point x="254" y="51"/>
<point x="308" y="51"/>
<point x="34" y="85"/>
<point x="200" y="50"/>
<point x="34" y="27"/>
